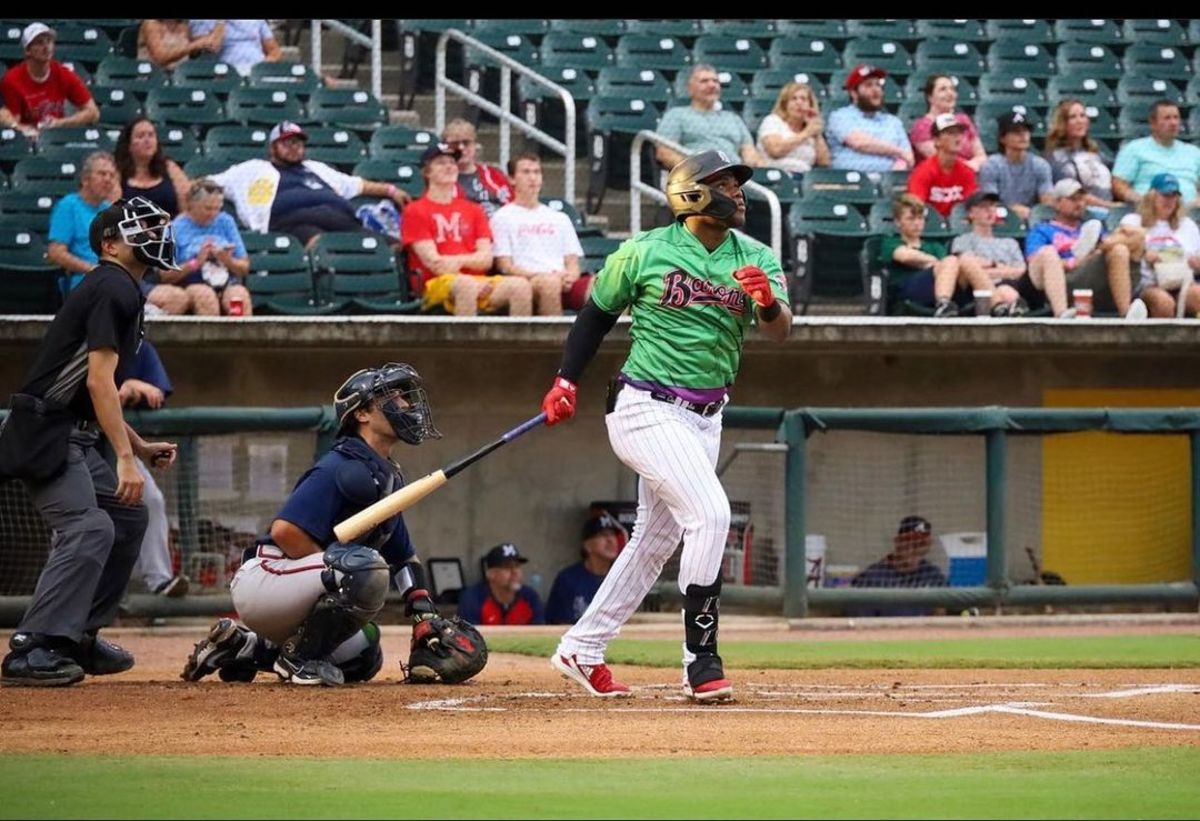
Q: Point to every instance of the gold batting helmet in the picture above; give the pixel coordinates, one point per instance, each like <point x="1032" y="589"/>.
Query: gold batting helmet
<point x="689" y="196"/>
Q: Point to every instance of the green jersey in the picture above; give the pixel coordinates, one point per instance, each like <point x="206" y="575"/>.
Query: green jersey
<point x="689" y="313"/>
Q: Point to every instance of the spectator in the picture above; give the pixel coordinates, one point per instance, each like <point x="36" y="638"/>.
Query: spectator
<point x="534" y="241"/>
<point x="1172" y="249"/>
<point x="576" y="585"/>
<point x="167" y="43"/>
<point x="922" y="272"/>
<point x="146" y="385"/>
<point x="941" y="93"/>
<point x="211" y="255"/>
<point x="71" y="218"/>
<point x="37" y="89"/>
<point x="862" y="136"/>
<point x="449" y="246"/>
<point x="296" y="196"/>
<point x="704" y="125"/>
<point x="244" y="44"/>
<point x="146" y="170"/>
<point x="904" y="566"/>
<point x="502" y="597"/>
<point x="1021" y="179"/>
<point x="790" y="137"/>
<point x="1073" y="155"/>
<point x="479" y="182"/>
<point x="1140" y="161"/>
<point x="943" y="179"/>
<point x="1084" y="258"/>
<point x="999" y="258"/>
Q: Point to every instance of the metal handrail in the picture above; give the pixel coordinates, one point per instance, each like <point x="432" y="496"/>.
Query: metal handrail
<point x="637" y="188"/>
<point x="502" y="111"/>
<point x="374" y="43"/>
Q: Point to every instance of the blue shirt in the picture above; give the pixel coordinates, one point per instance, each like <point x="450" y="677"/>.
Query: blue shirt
<point x="1140" y="160"/>
<point x="878" y="124"/>
<point x="882" y="574"/>
<point x="242" y="45"/>
<point x="698" y="130"/>
<point x="300" y="187"/>
<point x="148" y="367"/>
<point x="190" y="236"/>
<point x="70" y="220"/>
<point x="1020" y="183"/>
<point x="477" y="605"/>
<point x="1062" y="237"/>
<point x="573" y="590"/>
<point x="318" y="502"/>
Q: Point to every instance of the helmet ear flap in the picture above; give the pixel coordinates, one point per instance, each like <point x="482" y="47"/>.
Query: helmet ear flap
<point x="687" y="193"/>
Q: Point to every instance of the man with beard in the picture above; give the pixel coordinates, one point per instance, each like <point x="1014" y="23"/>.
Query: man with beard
<point x="862" y="136"/>
<point x="294" y="195"/>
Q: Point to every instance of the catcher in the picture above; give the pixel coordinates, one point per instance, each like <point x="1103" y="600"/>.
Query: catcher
<point x="306" y="600"/>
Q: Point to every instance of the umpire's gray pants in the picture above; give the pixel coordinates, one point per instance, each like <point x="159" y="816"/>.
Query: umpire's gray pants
<point x="94" y="545"/>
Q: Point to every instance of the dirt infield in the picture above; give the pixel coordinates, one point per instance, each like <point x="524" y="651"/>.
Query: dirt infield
<point x="519" y="707"/>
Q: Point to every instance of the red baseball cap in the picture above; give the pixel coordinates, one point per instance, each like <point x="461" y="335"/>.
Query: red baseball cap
<point x="861" y="72"/>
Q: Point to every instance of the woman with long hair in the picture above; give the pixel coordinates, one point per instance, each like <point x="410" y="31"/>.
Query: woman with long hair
<point x="942" y="96"/>
<point x="1073" y="154"/>
<point x="791" y="137"/>
<point x="146" y="170"/>
<point x="1172" y="243"/>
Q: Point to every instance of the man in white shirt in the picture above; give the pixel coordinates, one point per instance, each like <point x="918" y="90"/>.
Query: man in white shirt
<point x="534" y="241"/>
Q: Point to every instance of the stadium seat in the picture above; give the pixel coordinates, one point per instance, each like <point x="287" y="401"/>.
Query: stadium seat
<point x="403" y="175"/>
<point x="85" y="138"/>
<point x="1023" y="31"/>
<point x="1159" y="61"/>
<point x="644" y="83"/>
<point x="1022" y="59"/>
<point x="1009" y="224"/>
<point x="1115" y="215"/>
<point x="880" y="220"/>
<point x="295" y="78"/>
<point x="418" y="42"/>
<point x="46" y="176"/>
<point x="29" y="284"/>
<point x="80" y="42"/>
<point x="1088" y="89"/>
<point x="612" y="123"/>
<point x="769" y="82"/>
<point x="827" y="237"/>
<point x="686" y="30"/>
<point x="957" y="58"/>
<point x="839" y="185"/>
<point x="1192" y="91"/>
<point x="130" y="73"/>
<point x="875" y="276"/>
<point x="264" y="106"/>
<point x="1099" y="32"/>
<point x="207" y="72"/>
<point x="585" y="52"/>
<point x="26" y="210"/>
<point x="785" y="186"/>
<point x="832" y="30"/>
<point x="286" y="293"/>
<point x="912" y="108"/>
<point x="117" y="105"/>
<point x="1003" y="87"/>
<point x="184" y="106"/>
<point x="13" y="146"/>
<point x="236" y="142"/>
<point x="1091" y="58"/>
<point x="890" y="55"/>
<point x="729" y="53"/>
<point x="811" y="55"/>
<point x="543" y="107"/>
<point x="125" y="43"/>
<point x="1134" y="120"/>
<point x="206" y="166"/>
<point x="758" y="213"/>
<point x="11" y="51"/>
<point x="275" y="253"/>
<point x="392" y="138"/>
<point x="178" y="143"/>
<point x="347" y="108"/>
<point x="762" y="31"/>
<point x="582" y="229"/>
<point x="882" y="29"/>
<point x="480" y="72"/>
<point x="359" y="272"/>
<point x="609" y="29"/>
<point x="338" y="147"/>
<point x="1155" y="32"/>
<point x="598" y="246"/>
<point x="1139" y="87"/>
<point x="967" y="31"/>
<point x="527" y="27"/>
<point x="892" y="184"/>
<point x="664" y="53"/>
<point x="1103" y="126"/>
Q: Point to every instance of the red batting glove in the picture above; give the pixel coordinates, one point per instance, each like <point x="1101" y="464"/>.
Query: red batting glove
<point x="559" y="402"/>
<point x="754" y="281"/>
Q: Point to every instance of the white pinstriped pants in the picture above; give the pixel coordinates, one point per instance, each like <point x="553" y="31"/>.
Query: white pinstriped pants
<point x="674" y="452"/>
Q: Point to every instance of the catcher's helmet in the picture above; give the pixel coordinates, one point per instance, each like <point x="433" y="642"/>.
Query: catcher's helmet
<point x="142" y="225"/>
<point x="689" y="196"/>
<point x="412" y="424"/>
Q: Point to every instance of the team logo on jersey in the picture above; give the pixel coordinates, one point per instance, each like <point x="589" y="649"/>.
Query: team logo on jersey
<point x="681" y="289"/>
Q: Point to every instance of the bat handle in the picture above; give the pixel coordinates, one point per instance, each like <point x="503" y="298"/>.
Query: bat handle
<point x="525" y="427"/>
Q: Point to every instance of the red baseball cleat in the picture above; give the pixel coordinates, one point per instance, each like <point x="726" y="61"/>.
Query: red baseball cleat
<point x="704" y="680"/>
<point x="595" y="678"/>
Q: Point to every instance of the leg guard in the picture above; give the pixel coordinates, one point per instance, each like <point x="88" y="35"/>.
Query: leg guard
<point x="365" y="664"/>
<point x="701" y="613"/>
<point x="357" y="580"/>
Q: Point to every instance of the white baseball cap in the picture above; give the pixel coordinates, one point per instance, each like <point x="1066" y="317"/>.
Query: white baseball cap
<point x="33" y="31"/>
<point x="1066" y="187"/>
<point x="287" y="128"/>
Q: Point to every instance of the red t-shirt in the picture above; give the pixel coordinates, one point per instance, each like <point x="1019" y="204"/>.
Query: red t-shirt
<point x="940" y="188"/>
<point x="33" y="102"/>
<point x="455" y="227"/>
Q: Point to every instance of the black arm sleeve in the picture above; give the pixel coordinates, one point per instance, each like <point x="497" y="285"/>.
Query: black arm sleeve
<point x="585" y="337"/>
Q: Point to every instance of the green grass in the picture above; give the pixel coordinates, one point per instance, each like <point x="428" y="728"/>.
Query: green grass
<point x="1142" y="783"/>
<point x="1174" y="651"/>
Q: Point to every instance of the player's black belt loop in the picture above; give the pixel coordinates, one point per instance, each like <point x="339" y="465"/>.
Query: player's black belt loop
<point x="706" y="410"/>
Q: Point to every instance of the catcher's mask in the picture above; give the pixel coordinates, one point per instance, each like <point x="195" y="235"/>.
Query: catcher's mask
<point x="688" y="193"/>
<point x="141" y="225"/>
<point x="383" y="386"/>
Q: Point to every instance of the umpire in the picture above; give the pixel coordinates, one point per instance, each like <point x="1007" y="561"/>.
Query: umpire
<point x="48" y="441"/>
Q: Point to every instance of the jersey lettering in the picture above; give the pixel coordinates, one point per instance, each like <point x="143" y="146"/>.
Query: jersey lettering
<point x="449" y="228"/>
<point x="681" y="289"/>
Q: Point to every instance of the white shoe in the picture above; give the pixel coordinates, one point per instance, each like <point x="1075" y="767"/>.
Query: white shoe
<point x="1137" y="311"/>
<point x="1069" y="313"/>
<point x="595" y="678"/>
<point x="1089" y="235"/>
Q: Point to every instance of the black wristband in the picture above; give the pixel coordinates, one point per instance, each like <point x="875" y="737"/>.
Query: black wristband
<point x="769" y="313"/>
<point x="584" y="338"/>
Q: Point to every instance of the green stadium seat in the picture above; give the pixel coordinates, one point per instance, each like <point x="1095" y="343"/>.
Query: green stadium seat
<point x="783" y="184"/>
<point x="209" y="73"/>
<point x="418" y="46"/>
<point x="875" y="277"/>
<point x="912" y="108"/>
<point x="611" y="124"/>
<point x="598" y="246"/>
<point x="11" y="51"/>
<point x="338" y="254"/>
<point x="396" y="137"/>
<point x="125" y="43"/>
<point x="729" y="53"/>
<point x="833" y="30"/>
<point x="184" y="106"/>
<point x="968" y="31"/>
<point x="1159" y="61"/>
<point x="734" y="90"/>
<point x="198" y="167"/>
<point x="347" y="108"/>
<point x="1009" y="225"/>
<point x="373" y="293"/>
<point x="264" y="106"/>
<point x="839" y="185"/>
<point x="609" y="29"/>
<point x="914" y="89"/>
<point x="130" y="73"/>
<point x="754" y="111"/>
<point x="527" y="27"/>
<point x="1133" y="121"/>
<point x="1092" y="58"/>
<point x="1193" y="31"/>
<point x="880" y="220"/>
<point x="582" y="229"/>
<point x="1115" y="215"/>
<point x="812" y="55"/>
<point x="29" y="284"/>
<point x="13" y="146"/>
<point x="338" y="147"/>
<point x="25" y="210"/>
<point x="769" y="82"/>
<point x="85" y="138"/>
<point x="661" y="52"/>
<point x="1024" y="31"/>
<point x="178" y="143"/>
<point x="1132" y="88"/>
<point x="542" y="107"/>
<point x="1022" y="59"/>
<point x="1191" y="125"/>
<point x="1103" y="125"/>
<point x="275" y="253"/>
<point x="403" y="175"/>
<point x="1155" y="32"/>
<point x="890" y="55"/>
<point x="241" y="141"/>
<point x="287" y="294"/>
<point x="112" y="26"/>
<point x="1192" y="90"/>
<point x="585" y="52"/>
<point x="644" y="83"/>
<point x="761" y="30"/>
<point x="685" y="30"/>
<point x="957" y="58"/>
<point x="1088" y="89"/>
<point x="480" y="72"/>
<point x="827" y="237"/>
<point x="892" y="184"/>
<point x="882" y="29"/>
<point x="1099" y="32"/>
<point x="1011" y="88"/>
<point x="82" y="43"/>
<point x="295" y="78"/>
<point x="54" y="177"/>
<point x="1040" y="213"/>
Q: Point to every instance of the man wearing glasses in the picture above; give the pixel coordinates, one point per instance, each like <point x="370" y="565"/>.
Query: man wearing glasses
<point x="478" y="182"/>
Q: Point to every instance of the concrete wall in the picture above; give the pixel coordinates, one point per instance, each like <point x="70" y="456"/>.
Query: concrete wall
<point x="485" y="376"/>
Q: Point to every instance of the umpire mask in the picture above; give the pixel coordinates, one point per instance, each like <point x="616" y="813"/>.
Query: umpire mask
<point x="146" y="229"/>
<point x="397" y="389"/>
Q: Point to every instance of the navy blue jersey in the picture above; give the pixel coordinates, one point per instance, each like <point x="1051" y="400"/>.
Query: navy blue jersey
<point x="345" y="480"/>
<point x="571" y="594"/>
<point x="882" y="574"/>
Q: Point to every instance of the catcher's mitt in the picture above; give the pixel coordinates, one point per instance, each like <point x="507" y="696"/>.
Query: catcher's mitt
<point x="449" y="651"/>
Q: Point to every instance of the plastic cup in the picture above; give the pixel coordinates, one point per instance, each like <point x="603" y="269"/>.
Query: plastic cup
<point x="983" y="302"/>
<point x="1082" y="300"/>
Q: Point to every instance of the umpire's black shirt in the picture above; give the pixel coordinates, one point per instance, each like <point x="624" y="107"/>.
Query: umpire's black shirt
<point x="103" y="311"/>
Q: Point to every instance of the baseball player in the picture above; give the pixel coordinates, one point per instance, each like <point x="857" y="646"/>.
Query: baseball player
<point x="692" y="289"/>
<point x="307" y="601"/>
